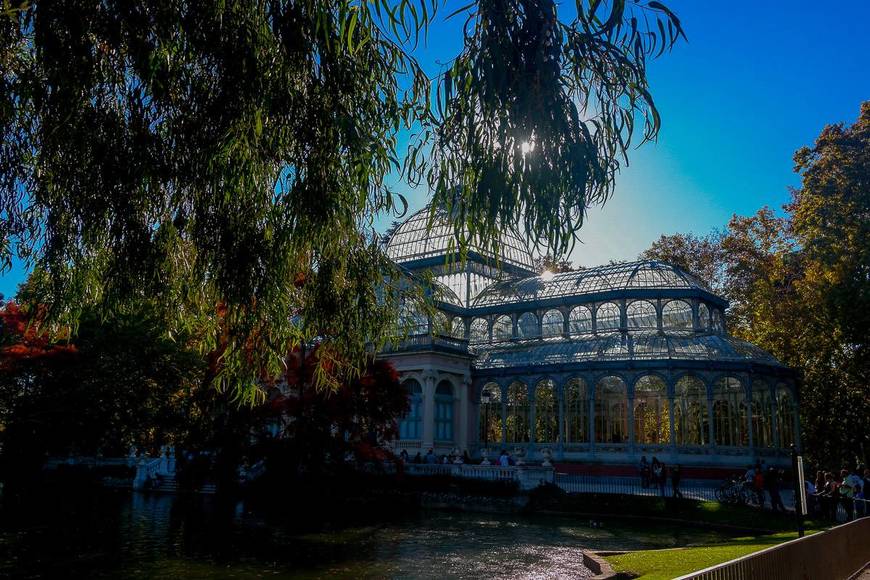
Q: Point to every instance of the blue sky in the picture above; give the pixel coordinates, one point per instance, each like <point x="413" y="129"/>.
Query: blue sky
<point x="756" y="81"/>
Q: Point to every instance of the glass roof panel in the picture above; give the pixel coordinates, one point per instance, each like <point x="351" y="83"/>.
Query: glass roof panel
<point x="647" y="274"/>
<point x="414" y="240"/>
<point x="645" y="347"/>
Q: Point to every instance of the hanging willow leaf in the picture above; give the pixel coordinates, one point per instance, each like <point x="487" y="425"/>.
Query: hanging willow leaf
<point x="225" y="161"/>
<point x="537" y="114"/>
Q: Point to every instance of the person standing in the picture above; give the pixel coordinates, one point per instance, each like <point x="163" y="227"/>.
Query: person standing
<point x="847" y="492"/>
<point x="772" y="483"/>
<point x="644" y="472"/>
<point x="758" y="484"/>
<point x="830" y="497"/>
<point x="659" y="474"/>
<point x="675" y="481"/>
<point x="864" y="504"/>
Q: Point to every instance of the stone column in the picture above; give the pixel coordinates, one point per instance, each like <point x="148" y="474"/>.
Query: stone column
<point x="533" y="411"/>
<point x="462" y="437"/>
<point x="590" y="413"/>
<point x="710" y="421"/>
<point x="428" y="411"/>
<point x="503" y="415"/>
<point x="560" y="417"/>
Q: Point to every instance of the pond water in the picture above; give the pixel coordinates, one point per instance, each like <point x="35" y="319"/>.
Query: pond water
<point x="131" y="535"/>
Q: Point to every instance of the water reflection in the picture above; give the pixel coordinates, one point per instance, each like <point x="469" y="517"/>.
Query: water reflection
<point x="112" y="535"/>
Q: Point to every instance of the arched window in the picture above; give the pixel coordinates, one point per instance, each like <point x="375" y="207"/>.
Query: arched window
<point x="517" y="420"/>
<point x="444" y="411"/>
<point x="607" y="317"/>
<point x="490" y="415"/>
<point x="546" y="413"/>
<point x="411" y="425"/>
<point x="785" y="414"/>
<point x="611" y="420"/>
<point x="652" y="422"/>
<point x="553" y="323"/>
<point x="502" y="328"/>
<point x="576" y="412"/>
<point x="580" y="320"/>
<point x="479" y="330"/>
<point x="703" y="316"/>
<point x="457" y="327"/>
<point x="762" y="415"/>
<point x="677" y="315"/>
<point x="641" y="314"/>
<point x="690" y="412"/>
<point x="729" y="412"/>
<point x="527" y="325"/>
<point x="717" y="320"/>
<point x="412" y="320"/>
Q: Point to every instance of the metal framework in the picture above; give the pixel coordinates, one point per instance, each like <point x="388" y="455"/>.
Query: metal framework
<point x="603" y="363"/>
<point x="418" y="238"/>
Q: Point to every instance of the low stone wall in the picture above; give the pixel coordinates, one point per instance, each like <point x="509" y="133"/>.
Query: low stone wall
<point x="527" y="476"/>
<point x="602" y="569"/>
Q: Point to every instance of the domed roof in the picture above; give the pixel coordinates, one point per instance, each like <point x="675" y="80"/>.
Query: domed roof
<point x="414" y="240"/>
<point x="642" y="275"/>
<point x="710" y="348"/>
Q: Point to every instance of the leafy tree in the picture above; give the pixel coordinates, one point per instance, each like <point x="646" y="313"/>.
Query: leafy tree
<point x="798" y="287"/>
<point x="120" y="383"/>
<point x="550" y="263"/>
<point x="701" y="256"/>
<point x="536" y="113"/>
<point x="226" y="160"/>
<point x="323" y="426"/>
<point x="830" y="220"/>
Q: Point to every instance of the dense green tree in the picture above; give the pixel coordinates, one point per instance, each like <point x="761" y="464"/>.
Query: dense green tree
<point x="699" y="255"/>
<point x="226" y="160"/>
<point x="830" y="221"/>
<point x="799" y="287"/>
<point x="120" y="383"/>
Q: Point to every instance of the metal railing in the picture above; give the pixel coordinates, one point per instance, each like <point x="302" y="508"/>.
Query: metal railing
<point x="688" y="488"/>
<point x="489" y="472"/>
<point x="426" y="341"/>
<point x="835" y="554"/>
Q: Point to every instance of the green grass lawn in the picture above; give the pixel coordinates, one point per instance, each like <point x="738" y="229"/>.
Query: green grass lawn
<point x="662" y="564"/>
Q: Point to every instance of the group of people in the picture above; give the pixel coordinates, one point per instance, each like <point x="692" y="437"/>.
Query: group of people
<point x="849" y="490"/>
<point x="655" y="474"/>
<point x="432" y="458"/>
<point x="760" y="479"/>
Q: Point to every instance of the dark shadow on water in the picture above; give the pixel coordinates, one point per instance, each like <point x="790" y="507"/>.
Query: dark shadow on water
<point x="132" y="535"/>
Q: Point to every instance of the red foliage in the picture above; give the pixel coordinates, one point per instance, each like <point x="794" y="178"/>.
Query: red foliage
<point x="23" y="336"/>
<point x="365" y="408"/>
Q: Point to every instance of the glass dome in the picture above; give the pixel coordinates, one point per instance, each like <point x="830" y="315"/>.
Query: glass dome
<point x="414" y="240"/>
<point x="642" y="275"/>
